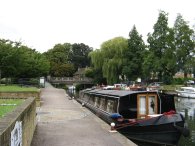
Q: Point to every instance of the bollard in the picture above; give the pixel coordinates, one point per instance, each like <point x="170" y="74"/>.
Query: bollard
<point x="112" y="127"/>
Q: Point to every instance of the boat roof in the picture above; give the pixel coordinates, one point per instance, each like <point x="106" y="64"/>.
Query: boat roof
<point x="114" y="93"/>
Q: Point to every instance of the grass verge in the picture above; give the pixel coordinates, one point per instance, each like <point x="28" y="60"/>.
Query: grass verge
<point x="8" y="105"/>
<point x="15" y="88"/>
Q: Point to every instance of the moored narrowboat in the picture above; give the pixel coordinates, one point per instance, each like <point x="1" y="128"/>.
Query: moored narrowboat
<point x="142" y="116"/>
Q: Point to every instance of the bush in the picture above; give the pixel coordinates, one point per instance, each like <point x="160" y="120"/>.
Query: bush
<point x="79" y="87"/>
<point x="178" y="81"/>
<point x="65" y="87"/>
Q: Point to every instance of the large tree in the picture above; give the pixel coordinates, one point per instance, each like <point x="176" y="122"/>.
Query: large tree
<point x="59" y="56"/>
<point x="161" y="49"/>
<point x="109" y="58"/>
<point x="32" y="63"/>
<point x="184" y="45"/>
<point x="17" y="60"/>
<point x="133" y="56"/>
<point x="66" y="58"/>
<point x="79" y="55"/>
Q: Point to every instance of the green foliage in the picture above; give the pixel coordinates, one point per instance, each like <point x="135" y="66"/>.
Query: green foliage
<point x="59" y="54"/>
<point x="169" y="50"/>
<point x="178" y="81"/>
<point x="58" y="57"/>
<point x="109" y="59"/>
<point x="65" y="87"/>
<point x="18" y="61"/>
<point x="63" y="70"/>
<point x="89" y="72"/>
<point x="79" y="87"/>
<point x="8" y="105"/>
<point x="184" y="45"/>
<point x="133" y="56"/>
<point x="66" y="58"/>
<point x="79" y="55"/>
<point x="162" y="50"/>
<point x="13" y="88"/>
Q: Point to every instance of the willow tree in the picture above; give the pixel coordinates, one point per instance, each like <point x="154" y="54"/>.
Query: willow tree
<point x="109" y="58"/>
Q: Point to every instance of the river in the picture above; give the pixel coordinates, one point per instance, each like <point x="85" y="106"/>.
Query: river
<point x="186" y="106"/>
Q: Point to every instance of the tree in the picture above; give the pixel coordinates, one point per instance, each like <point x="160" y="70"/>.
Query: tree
<point x="133" y="56"/>
<point x="184" y="45"/>
<point x="66" y="58"/>
<point x="58" y="57"/>
<point x="97" y="63"/>
<point x="162" y="50"/>
<point x="17" y="60"/>
<point x="109" y="59"/>
<point x="79" y="55"/>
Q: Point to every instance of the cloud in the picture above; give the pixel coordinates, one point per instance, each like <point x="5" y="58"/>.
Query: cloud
<point x="43" y="23"/>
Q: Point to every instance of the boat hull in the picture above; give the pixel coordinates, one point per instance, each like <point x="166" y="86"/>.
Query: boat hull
<point x="164" y="134"/>
<point x="159" y="128"/>
<point x="156" y="131"/>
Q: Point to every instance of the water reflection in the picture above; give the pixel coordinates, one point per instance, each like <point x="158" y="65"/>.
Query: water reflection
<point x="186" y="107"/>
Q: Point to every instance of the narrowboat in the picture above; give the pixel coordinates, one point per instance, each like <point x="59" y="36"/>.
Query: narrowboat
<point x="141" y="116"/>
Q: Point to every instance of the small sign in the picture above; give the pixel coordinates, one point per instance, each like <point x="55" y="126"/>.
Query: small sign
<point x="16" y="134"/>
<point x="139" y="80"/>
<point x="42" y="81"/>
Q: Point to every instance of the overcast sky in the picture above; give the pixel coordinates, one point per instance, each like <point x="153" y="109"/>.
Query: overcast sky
<point x="40" y="24"/>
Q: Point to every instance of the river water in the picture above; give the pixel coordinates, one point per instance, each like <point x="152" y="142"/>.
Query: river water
<point x="186" y="106"/>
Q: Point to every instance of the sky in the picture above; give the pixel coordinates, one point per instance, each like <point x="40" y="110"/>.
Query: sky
<point x="40" y="24"/>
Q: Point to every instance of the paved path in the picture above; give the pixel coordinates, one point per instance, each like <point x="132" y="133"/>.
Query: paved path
<point x="64" y="122"/>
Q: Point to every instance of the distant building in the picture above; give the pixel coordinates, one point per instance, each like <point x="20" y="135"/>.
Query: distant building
<point x="181" y="75"/>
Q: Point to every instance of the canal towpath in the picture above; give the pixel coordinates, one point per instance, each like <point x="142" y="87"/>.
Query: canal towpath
<point x="64" y="122"/>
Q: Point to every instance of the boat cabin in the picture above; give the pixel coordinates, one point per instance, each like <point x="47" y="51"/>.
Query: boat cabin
<point x="129" y="104"/>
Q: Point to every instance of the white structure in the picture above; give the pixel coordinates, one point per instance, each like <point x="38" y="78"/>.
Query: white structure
<point x="16" y="135"/>
<point x="186" y="92"/>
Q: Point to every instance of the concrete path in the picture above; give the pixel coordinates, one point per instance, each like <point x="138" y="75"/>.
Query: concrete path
<point x="64" y="122"/>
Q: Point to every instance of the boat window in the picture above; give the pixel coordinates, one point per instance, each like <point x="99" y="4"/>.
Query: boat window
<point x="142" y="105"/>
<point x="152" y="105"/>
<point x="147" y="105"/>
<point x="103" y="103"/>
<point x="110" y="106"/>
<point x="86" y="97"/>
<point x="97" y="104"/>
<point x="91" y="100"/>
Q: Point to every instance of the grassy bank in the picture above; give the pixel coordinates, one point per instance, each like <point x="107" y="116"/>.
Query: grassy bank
<point x="15" y="88"/>
<point x="171" y="87"/>
<point x="8" y="105"/>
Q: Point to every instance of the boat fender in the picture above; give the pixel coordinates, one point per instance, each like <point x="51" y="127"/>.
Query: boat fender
<point x="115" y="116"/>
<point x="183" y="130"/>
